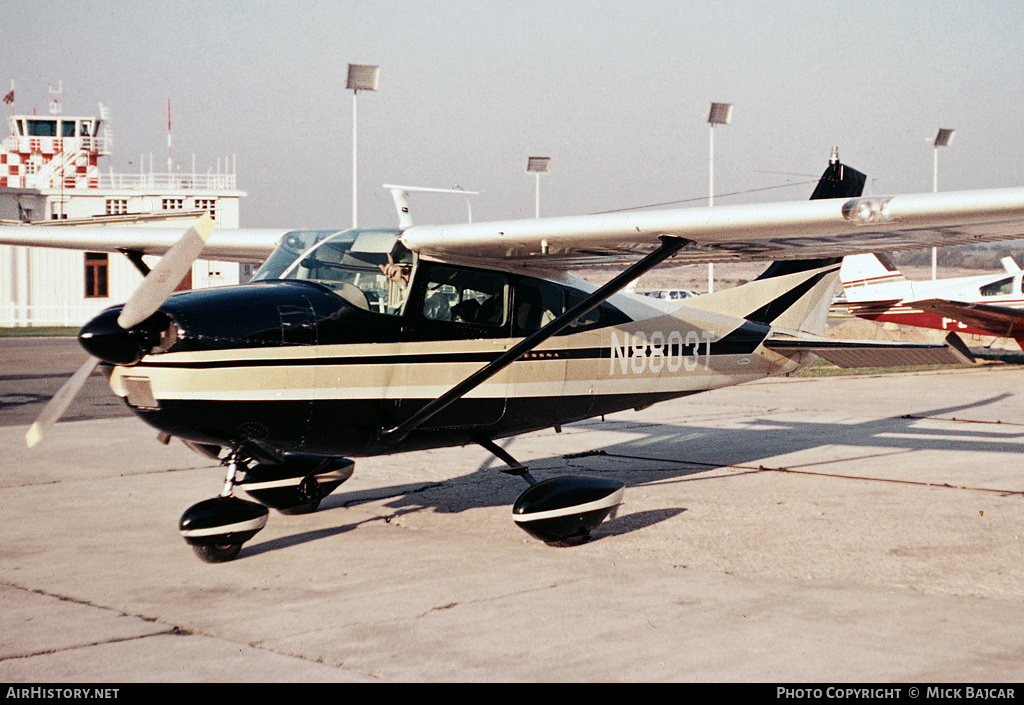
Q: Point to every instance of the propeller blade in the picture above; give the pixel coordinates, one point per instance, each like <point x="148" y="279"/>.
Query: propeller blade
<point x="153" y="291"/>
<point x="56" y="406"/>
<point x="160" y="282"/>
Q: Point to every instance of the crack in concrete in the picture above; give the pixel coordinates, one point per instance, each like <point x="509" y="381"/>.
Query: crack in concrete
<point x="171" y="630"/>
<point x="492" y="598"/>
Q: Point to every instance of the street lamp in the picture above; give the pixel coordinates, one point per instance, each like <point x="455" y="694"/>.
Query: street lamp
<point x="360" y="78"/>
<point x="537" y="166"/>
<point x="720" y="114"/>
<point x="943" y="138"/>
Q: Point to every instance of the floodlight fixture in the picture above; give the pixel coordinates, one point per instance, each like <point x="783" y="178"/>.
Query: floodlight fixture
<point x="943" y="137"/>
<point x="720" y="113"/>
<point x="361" y="77"/>
<point x="537" y="166"/>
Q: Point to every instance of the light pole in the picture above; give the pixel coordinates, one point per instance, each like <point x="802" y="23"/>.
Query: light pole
<point x="942" y="139"/>
<point x="360" y="78"/>
<point x="720" y="114"/>
<point x="537" y="166"/>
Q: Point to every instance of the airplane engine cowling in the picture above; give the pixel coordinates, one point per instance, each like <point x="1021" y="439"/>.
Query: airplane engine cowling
<point x="562" y="511"/>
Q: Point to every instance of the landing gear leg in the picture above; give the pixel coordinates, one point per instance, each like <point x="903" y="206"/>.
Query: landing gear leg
<point x="216" y="528"/>
<point x="512" y="466"/>
<point x="560" y="511"/>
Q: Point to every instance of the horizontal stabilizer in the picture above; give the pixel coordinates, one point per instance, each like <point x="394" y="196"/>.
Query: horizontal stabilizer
<point x="867" y="353"/>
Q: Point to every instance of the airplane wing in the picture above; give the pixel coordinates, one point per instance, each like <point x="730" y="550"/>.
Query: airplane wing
<point x="230" y="245"/>
<point x="772" y="231"/>
<point x="870" y="353"/>
<point x="1003" y="321"/>
<point x="759" y="232"/>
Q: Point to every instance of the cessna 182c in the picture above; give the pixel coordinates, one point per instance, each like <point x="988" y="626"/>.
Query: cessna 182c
<point x="366" y="342"/>
<point x="988" y="304"/>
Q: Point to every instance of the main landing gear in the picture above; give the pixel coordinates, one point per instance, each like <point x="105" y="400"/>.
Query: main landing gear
<point x="216" y="528"/>
<point x="560" y="511"/>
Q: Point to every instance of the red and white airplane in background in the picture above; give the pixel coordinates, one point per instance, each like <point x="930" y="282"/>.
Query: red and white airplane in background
<point x="989" y="304"/>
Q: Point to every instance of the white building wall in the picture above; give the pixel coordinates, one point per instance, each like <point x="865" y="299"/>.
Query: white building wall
<point x="46" y="287"/>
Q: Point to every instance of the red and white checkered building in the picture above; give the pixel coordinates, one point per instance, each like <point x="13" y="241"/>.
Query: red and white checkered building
<point x="51" y="173"/>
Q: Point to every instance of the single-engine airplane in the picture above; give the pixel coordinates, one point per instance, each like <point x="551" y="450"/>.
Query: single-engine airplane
<point x="365" y="342"/>
<point x="989" y="304"/>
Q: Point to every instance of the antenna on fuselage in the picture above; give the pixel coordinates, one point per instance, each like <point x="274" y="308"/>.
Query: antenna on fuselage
<point x="400" y="194"/>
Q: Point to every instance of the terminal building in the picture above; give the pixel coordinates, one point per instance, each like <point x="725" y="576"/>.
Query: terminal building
<point x="51" y="173"/>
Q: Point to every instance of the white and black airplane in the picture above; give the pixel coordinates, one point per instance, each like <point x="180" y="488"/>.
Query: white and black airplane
<point x="364" y="342"/>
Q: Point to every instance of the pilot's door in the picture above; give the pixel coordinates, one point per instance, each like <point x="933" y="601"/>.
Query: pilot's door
<point x="458" y="322"/>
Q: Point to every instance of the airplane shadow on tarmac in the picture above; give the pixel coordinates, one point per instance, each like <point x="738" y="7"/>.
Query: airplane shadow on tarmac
<point x="681" y="453"/>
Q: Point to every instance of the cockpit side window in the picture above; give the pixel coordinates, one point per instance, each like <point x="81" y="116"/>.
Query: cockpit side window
<point x="465" y="296"/>
<point x="538" y="302"/>
<point x="1003" y="287"/>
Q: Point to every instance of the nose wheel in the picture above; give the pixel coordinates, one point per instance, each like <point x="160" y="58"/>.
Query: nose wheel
<point x="292" y="484"/>
<point x="216" y="528"/>
<point x="217" y="553"/>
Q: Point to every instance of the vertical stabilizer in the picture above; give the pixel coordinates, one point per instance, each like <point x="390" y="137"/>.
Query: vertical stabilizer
<point x="793" y="294"/>
<point x="839" y="180"/>
<point x="868" y="270"/>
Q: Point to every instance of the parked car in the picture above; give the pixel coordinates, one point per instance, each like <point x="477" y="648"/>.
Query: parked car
<point x="670" y="293"/>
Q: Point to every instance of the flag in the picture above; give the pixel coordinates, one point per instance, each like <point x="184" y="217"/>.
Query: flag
<point x="9" y="98"/>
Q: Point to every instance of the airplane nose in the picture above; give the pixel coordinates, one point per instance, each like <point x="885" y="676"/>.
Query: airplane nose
<point x="103" y="338"/>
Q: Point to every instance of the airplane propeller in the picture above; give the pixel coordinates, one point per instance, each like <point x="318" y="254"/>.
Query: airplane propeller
<point x="172" y="267"/>
<point x="143" y="303"/>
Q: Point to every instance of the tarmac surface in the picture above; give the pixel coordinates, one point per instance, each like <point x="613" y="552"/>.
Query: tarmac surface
<point x="852" y="529"/>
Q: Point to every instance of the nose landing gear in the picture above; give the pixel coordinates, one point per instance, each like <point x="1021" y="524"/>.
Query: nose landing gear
<point x="216" y="528"/>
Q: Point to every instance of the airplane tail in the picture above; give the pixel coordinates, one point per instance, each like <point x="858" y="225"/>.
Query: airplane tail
<point x="793" y="295"/>
<point x="868" y="270"/>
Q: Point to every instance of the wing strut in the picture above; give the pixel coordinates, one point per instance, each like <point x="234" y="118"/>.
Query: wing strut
<point x="669" y="246"/>
<point x="135" y="257"/>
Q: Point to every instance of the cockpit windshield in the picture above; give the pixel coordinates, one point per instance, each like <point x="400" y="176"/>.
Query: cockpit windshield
<point x="368" y="268"/>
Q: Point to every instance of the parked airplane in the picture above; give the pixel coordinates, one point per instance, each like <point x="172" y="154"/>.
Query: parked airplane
<point x="377" y="341"/>
<point x="990" y="304"/>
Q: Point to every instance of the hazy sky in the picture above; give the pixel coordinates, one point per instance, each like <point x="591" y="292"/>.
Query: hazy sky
<point x="616" y="93"/>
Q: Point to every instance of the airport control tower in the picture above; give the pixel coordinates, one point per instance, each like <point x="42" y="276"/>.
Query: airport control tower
<point x="51" y="173"/>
